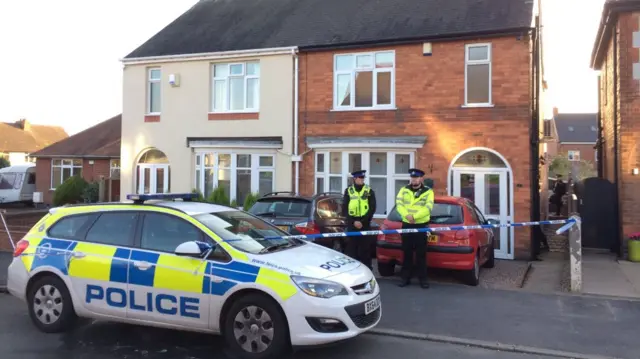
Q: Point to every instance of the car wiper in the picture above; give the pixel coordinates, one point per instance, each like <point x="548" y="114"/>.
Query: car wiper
<point x="273" y="214"/>
<point x="442" y="216"/>
<point x="273" y="247"/>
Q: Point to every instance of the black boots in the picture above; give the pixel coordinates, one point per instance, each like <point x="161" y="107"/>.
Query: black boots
<point x="424" y="284"/>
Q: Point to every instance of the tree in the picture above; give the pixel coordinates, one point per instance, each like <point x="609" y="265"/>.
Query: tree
<point x="4" y="162"/>
<point x="561" y="165"/>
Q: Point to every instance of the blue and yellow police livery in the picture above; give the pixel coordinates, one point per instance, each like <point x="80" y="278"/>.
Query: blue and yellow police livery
<point x="163" y="260"/>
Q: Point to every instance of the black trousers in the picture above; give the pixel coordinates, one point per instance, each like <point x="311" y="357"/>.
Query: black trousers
<point x="359" y="248"/>
<point x="414" y="243"/>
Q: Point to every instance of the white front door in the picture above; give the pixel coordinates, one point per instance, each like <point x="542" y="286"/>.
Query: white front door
<point x="153" y="178"/>
<point x="489" y="190"/>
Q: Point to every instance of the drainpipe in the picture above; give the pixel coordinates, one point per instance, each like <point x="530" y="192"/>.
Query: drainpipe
<point x="536" y="231"/>
<point x="616" y="155"/>
<point x="296" y="157"/>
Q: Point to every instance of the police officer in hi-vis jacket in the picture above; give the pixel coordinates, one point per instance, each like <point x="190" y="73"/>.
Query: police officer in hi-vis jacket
<point x="414" y="203"/>
<point x="359" y="205"/>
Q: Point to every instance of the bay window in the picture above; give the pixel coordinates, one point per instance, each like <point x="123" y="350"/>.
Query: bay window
<point x="386" y="173"/>
<point x="238" y="173"/>
<point x="61" y="170"/>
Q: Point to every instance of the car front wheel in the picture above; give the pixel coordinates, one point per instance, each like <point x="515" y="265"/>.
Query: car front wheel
<point x="50" y="305"/>
<point x="255" y="328"/>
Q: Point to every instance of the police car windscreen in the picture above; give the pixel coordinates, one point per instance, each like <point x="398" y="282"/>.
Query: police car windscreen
<point x="245" y="231"/>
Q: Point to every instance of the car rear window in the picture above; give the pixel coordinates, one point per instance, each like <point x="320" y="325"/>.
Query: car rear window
<point x="442" y="213"/>
<point x="281" y="207"/>
<point x="329" y="208"/>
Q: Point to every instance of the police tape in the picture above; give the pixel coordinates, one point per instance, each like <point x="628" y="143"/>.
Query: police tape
<point x="567" y="222"/>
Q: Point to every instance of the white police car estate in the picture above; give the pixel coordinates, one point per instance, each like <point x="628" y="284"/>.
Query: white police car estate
<point x="191" y="266"/>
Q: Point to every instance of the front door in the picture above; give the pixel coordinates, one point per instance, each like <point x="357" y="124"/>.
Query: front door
<point x="489" y="190"/>
<point x="153" y="178"/>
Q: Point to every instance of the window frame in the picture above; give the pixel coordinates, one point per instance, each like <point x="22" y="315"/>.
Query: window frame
<point x="468" y="63"/>
<point x="85" y="227"/>
<point x="62" y="166"/>
<point x="142" y="216"/>
<point x="150" y="81"/>
<point x="200" y="170"/>
<point x="132" y="233"/>
<point x="114" y="165"/>
<point x="391" y="176"/>
<point x="227" y="85"/>
<point x="571" y="155"/>
<point x="352" y="72"/>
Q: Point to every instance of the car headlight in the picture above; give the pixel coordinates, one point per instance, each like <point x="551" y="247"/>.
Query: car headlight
<point x="319" y="288"/>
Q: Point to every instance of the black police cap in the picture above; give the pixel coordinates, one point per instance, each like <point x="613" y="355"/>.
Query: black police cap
<point x="358" y="174"/>
<point x="414" y="172"/>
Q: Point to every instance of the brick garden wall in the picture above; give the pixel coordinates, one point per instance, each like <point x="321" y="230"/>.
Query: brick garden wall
<point x="19" y="223"/>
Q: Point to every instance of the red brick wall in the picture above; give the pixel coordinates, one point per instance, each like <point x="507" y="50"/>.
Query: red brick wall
<point x="90" y="172"/>
<point x="587" y="152"/>
<point x="628" y="110"/>
<point x="429" y="92"/>
<point x="19" y="224"/>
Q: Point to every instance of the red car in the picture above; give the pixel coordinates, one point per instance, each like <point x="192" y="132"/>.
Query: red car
<point x="464" y="250"/>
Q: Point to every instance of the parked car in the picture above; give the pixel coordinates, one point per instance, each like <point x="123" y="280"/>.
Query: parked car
<point x="17" y="183"/>
<point x="463" y="250"/>
<point x="296" y="214"/>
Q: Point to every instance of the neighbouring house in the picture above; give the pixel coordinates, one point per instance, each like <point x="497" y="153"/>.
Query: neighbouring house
<point x="576" y="136"/>
<point x="615" y="56"/>
<point x="19" y="139"/>
<point x="93" y="153"/>
<point x="284" y="103"/>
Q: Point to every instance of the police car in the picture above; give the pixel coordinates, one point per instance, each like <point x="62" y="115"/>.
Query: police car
<point x="166" y="261"/>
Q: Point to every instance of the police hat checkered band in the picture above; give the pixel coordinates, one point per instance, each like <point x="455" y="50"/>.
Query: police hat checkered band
<point x="357" y="174"/>
<point x="414" y="172"/>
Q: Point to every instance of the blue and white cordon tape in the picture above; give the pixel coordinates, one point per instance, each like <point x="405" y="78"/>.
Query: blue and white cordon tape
<point x="568" y="223"/>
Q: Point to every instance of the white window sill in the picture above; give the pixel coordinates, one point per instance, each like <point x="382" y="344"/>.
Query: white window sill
<point x="478" y="105"/>
<point x="152" y="114"/>
<point x="233" y="112"/>
<point x="350" y="109"/>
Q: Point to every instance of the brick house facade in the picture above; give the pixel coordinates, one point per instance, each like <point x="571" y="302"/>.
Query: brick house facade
<point x="94" y="153"/>
<point x="429" y="105"/>
<point x="616" y="56"/>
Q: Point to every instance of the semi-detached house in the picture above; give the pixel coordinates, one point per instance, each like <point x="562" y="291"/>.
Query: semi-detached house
<point x="316" y="89"/>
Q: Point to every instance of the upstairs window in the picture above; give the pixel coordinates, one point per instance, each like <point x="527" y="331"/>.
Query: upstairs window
<point x="236" y="87"/>
<point x="547" y="128"/>
<point x="364" y="80"/>
<point x="477" y="74"/>
<point x="153" y="91"/>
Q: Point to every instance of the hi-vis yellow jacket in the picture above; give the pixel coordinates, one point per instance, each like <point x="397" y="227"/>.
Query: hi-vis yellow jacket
<point x="419" y="204"/>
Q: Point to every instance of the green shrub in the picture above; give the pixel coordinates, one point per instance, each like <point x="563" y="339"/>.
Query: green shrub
<point x="4" y="162"/>
<point x="70" y="191"/>
<point x="218" y="196"/>
<point x="200" y="197"/>
<point x="91" y="192"/>
<point x="251" y="199"/>
<point x="234" y="204"/>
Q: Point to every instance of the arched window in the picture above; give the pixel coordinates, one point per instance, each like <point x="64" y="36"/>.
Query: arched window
<point x="152" y="173"/>
<point x="480" y="158"/>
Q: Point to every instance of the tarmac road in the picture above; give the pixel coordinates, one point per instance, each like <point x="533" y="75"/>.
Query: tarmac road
<point x="103" y="340"/>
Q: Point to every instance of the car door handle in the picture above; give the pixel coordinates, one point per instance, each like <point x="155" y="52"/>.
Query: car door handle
<point x="78" y="254"/>
<point x="142" y="265"/>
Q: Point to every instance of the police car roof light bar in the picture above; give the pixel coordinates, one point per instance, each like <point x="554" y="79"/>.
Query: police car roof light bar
<point x="141" y="198"/>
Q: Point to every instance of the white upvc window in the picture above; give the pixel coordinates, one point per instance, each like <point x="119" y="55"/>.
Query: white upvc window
<point x="387" y="172"/>
<point x="574" y="155"/>
<point x="154" y="91"/>
<point x="62" y="169"/>
<point x="235" y="87"/>
<point x="114" y="168"/>
<point x="238" y="173"/>
<point x="477" y="75"/>
<point x="363" y="81"/>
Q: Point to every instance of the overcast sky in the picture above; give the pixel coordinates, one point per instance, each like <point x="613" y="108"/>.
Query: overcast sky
<point x="61" y="58"/>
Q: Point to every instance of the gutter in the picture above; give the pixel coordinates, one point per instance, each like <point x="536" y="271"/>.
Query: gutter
<point x="518" y="31"/>
<point x="534" y="177"/>
<point x="207" y="56"/>
<point x="87" y="157"/>
<point x="609" y="13"/>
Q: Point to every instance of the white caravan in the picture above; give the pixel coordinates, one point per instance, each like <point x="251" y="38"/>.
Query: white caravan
<point x="17" y="183"/>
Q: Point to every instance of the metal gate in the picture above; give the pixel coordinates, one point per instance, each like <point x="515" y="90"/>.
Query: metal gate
<point x="597" y="208"/>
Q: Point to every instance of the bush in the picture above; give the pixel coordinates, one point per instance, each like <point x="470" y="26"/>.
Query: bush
<point x="4" y="162"/>
<point x="218" y="196"/>
<point x="91" y="192"/>
<point x="560" y="165"/>
<point x="234" y="204"/>
<point x="70" y="191"/>
<point x="251" y="199"/>
<point x="200" y="197"/>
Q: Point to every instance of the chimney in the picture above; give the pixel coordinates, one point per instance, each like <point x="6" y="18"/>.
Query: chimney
<point x="24" y="124"/>
<point x="555" y="111"/>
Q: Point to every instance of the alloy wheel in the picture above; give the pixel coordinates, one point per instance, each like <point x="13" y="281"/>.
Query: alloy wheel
<point x="253" y="329"/>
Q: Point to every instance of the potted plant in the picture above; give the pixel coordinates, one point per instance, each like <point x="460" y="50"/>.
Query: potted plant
<point x="633" y="246"/>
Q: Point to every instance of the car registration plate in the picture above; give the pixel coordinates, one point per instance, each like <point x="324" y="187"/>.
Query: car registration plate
<point x="372" y="305"/>
<point x="432" y="239"/>
<point x="284" y="228"/>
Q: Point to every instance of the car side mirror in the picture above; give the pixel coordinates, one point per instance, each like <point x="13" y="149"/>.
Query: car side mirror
<point x="492" y="221"/>
<point x="192" y="249"/>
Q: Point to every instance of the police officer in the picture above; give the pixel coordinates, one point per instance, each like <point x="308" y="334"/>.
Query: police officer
<point x="414" y="203"/>
<point x="359" y="205"/>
